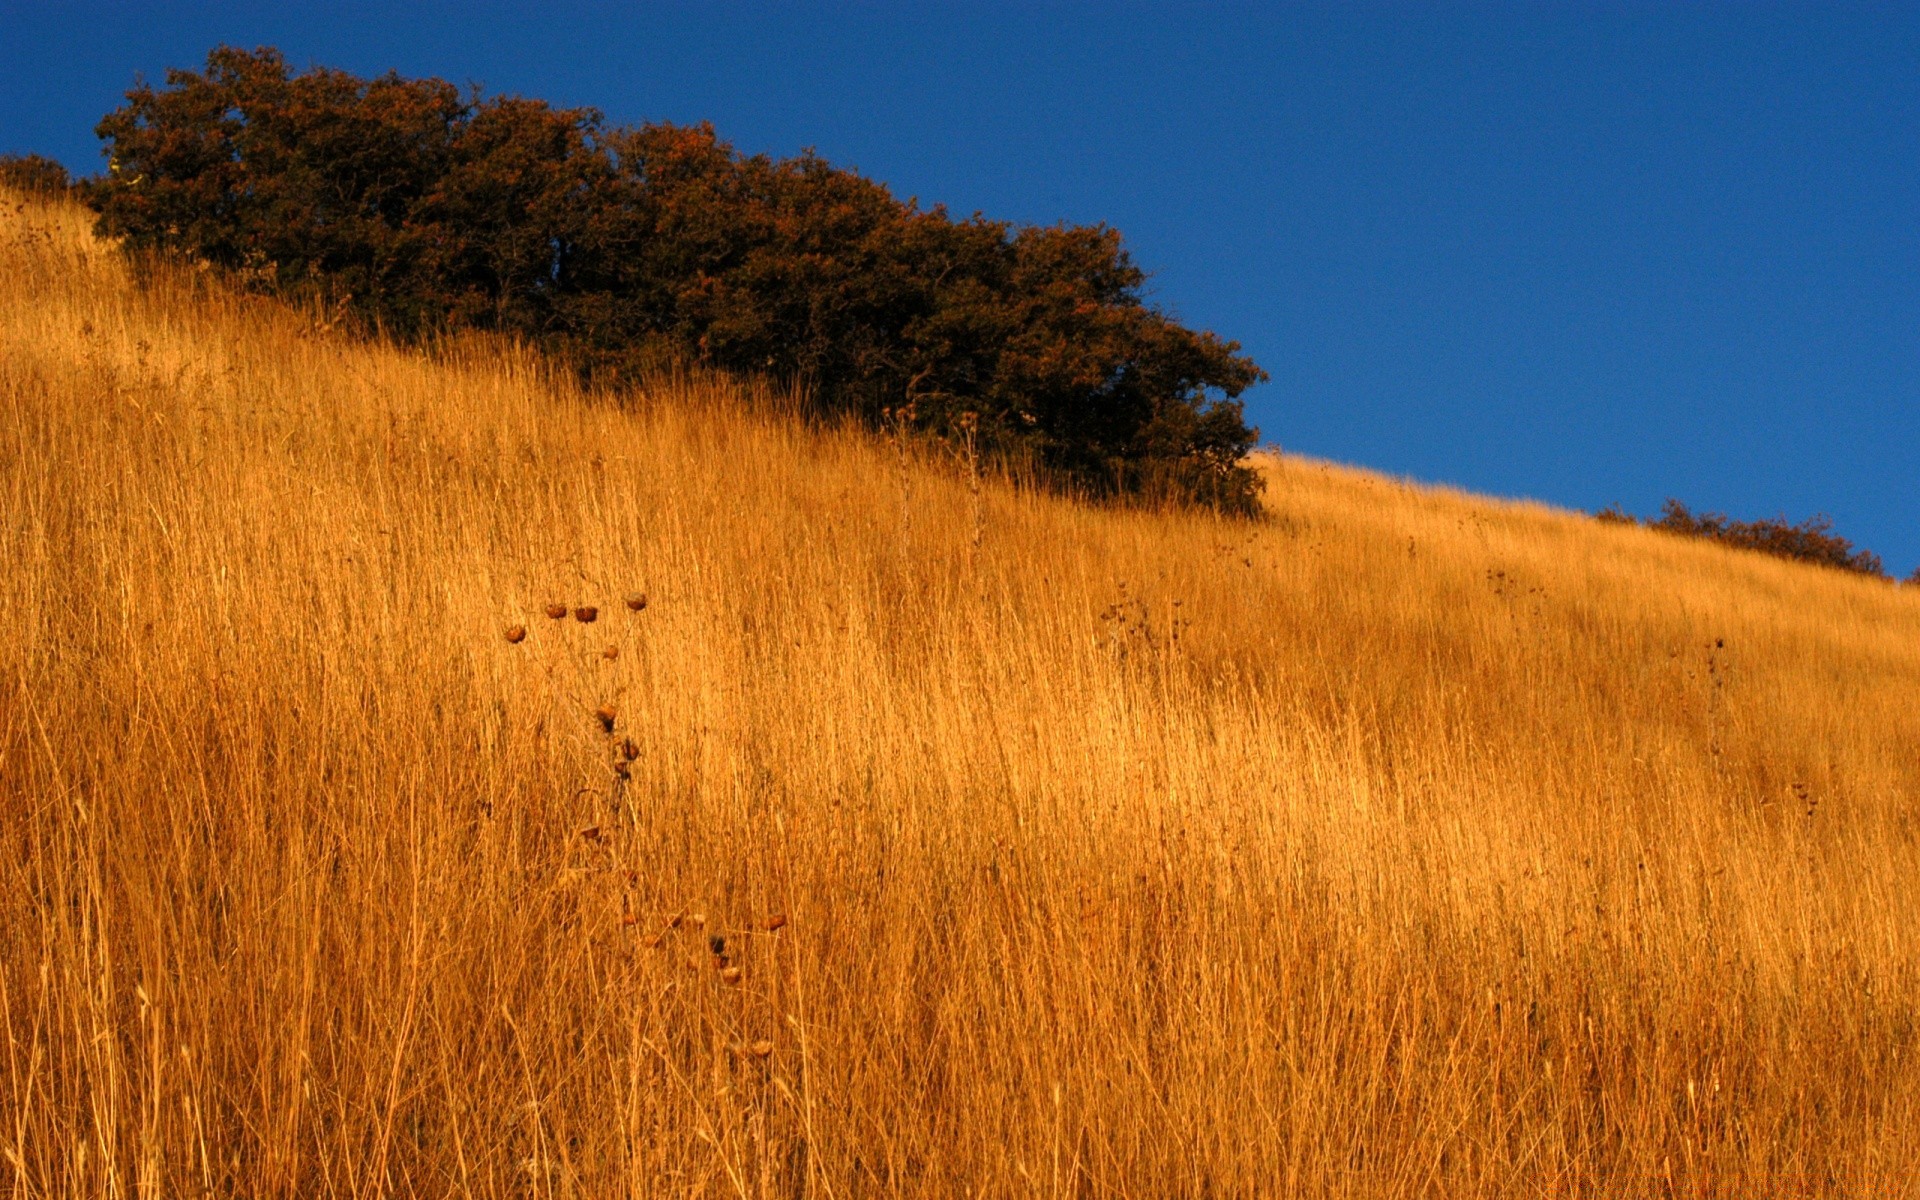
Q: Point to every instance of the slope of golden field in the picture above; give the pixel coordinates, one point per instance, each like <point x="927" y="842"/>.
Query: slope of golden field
<point x="1403" y="844"/>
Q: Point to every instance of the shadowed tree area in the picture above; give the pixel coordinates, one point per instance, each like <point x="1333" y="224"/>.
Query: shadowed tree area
<point x="419" y="208"/>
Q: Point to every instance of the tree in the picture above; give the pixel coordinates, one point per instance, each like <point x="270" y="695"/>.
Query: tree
<point x="421" y="209"/>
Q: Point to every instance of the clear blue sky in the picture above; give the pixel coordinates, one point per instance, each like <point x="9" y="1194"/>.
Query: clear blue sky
<point x="1588" y="253"/>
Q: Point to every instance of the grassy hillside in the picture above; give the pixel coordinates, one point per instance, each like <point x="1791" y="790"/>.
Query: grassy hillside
<point x="1404" y="844"/>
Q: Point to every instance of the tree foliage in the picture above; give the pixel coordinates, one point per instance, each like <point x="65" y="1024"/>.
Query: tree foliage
<point x="421" y="208"/>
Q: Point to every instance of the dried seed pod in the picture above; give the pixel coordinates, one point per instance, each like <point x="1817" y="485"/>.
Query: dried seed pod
<point x="776" y="921"/>
<point x="557" y="611"/>
<point x="636" y="600"/>
<point x="629" y="749"/>
<point x="517" y="634"/>
<point x="586" y="614"/>
<point x="718" y="945"/>
<point x="730" y="974"/>
<point x="610" y="653"/>
<point x="761" y="1048"/>
<point x="605" y="715"/>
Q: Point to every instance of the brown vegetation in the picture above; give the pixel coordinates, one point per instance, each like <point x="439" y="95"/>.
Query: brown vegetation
<point x="34" y="174"/>
<point x="1400" y="844"/>
<point x="1811" y="541"/>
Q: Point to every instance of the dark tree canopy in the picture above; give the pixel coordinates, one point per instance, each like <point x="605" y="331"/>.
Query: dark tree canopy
<point x="422" y="208"/>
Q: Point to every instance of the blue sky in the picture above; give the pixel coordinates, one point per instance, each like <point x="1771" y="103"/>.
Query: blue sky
<point x="1588" y="253"/>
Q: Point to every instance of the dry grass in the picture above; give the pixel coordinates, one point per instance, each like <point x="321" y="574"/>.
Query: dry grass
<point x="1406" y="844"/>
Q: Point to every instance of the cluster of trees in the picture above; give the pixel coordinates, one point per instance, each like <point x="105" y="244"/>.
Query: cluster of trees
<point x="421" y="208"/>
<point x="1813" y="540"/>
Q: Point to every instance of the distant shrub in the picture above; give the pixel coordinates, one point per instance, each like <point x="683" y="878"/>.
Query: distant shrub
<point x="421" y="208"/>
<point x="1813" y="540"/>
<point x="33" y="173"/>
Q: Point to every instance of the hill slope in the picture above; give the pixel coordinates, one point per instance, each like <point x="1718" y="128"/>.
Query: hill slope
<point x="1406" y="843"/>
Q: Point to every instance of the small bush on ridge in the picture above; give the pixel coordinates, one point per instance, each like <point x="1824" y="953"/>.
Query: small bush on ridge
<point x="33" y="173"/>
<point x="1813" y="540"/>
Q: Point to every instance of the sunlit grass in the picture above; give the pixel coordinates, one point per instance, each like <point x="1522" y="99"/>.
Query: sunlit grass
<point x="881" y="834"/>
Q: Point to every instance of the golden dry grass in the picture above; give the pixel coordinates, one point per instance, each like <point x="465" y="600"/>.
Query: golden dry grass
<point x="1404" y="844"/>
